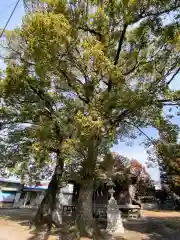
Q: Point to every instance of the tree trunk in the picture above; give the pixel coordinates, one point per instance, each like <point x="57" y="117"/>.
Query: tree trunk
<point x="84" y="219"/>
<point x="45" y="213"/>
<point x="50" y="209"/>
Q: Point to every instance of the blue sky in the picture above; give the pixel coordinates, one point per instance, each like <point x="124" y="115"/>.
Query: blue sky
<point x="135" y="150"/>
<point x="6" y="7"/>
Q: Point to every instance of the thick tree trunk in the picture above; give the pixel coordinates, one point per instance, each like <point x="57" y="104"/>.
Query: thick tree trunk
<point x="84" y="219"/>
<point x="50" y="209"/>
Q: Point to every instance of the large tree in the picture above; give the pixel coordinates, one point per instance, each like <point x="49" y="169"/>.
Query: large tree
<point x="167" y="151"/>
<point x="112" y="61"/>
<point x="36" y="120"/>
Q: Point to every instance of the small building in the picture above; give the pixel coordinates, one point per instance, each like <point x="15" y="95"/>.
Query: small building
<point x="32" y="196"/>
<point x="9" y="192"/>
<point x="16" y="195"/>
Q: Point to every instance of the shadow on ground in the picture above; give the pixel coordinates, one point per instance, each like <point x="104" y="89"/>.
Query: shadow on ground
<point x="150" y="228"/>
<point x="22" y="216"/>
<point x="156" y="228"/>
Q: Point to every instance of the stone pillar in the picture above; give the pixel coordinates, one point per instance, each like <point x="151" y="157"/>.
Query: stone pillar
<point x="114" y="220"/>
<point x="17" y="200"/>
<point x="41" y="197"/>
<point x="132" y="191"/>
<point x="26" y="198"/>
<point x="58" y="211"/>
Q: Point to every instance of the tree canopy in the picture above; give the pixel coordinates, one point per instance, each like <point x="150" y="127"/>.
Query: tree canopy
<point x="109" y="62"/>
<point x="84" y="74"/>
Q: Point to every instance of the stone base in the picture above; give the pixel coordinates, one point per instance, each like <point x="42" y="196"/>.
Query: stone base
<point x="129" y="206"/>
<point x="114" y="222"/>
<point x="133" y="216"/>
<point x="118" y="232"/>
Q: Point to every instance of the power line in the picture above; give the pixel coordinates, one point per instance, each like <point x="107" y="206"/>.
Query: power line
<point x="9" y="18"/>
<point x="7" y="6"/>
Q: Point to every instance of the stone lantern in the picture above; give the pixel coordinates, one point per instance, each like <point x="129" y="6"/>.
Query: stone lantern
<point x="114" y="220"/>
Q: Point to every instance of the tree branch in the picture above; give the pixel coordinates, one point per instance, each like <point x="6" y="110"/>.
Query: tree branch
<point x="121" y="116"/>
<point x="142" y="132"/>
<point x="5" y="124"/>
<point x="71" y="85"/>
<point x="40" y="94"/>
<point x="118" y="51"/>
<point x="18" y="54"/>
<point x="120" y="44"/>
<point x="51" y="149"/>
<point x="171" y="104"/>
<point x="145" y="14"/>
<point x="169" y="100"/>
<point x="173" y="76"/>
<point x="173" y="8"/>
<point x="87" y="29"/>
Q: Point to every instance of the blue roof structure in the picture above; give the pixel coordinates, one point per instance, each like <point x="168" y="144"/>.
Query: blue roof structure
<point x="35" y="188"/>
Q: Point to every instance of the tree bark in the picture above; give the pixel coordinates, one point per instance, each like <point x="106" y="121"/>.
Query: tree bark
<point x="84" y="219"/>
<point x="50" y="209"/>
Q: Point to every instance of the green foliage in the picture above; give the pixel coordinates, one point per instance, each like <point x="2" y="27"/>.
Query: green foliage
<point x="84" y="74"/>
<point x="166" y="151"/>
